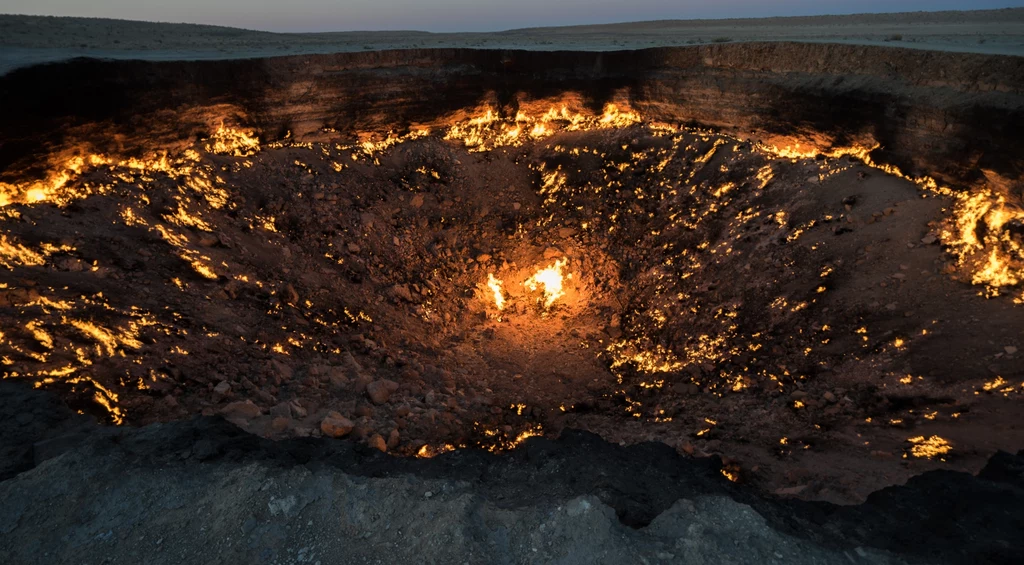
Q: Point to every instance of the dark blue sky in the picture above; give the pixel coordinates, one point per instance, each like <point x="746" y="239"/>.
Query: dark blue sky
<point x="460" y="15"/>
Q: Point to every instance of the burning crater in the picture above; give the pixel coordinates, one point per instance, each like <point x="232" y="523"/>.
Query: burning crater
<point x="513" y="268"/>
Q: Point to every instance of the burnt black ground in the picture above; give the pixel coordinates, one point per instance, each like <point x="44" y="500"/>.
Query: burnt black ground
<point x="938" y="517"/>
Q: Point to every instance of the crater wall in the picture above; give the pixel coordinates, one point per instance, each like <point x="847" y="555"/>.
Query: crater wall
<point x="953" y="116"/>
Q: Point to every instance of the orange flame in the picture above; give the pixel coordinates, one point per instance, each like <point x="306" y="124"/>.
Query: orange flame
<point x="495" y="285"/>
<point x="551" y="279"/>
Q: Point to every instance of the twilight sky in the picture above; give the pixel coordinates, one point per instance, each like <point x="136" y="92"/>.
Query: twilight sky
<point x="460" y="15"/>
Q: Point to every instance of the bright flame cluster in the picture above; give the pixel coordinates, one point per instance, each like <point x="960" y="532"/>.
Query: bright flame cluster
<point x="495" y="286"/>
<point x="490" y="130"/>
<point x="979" y="226"/>
<point x="234" y="142"/>
<point x="930" y="447"/>
<point x="550" y="278"/>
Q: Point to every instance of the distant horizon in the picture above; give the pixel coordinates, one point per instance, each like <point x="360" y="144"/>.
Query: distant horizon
<point x="602" y="12"/>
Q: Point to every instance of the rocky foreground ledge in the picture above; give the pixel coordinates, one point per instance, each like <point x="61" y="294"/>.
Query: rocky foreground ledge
<point x="203" y="491"/>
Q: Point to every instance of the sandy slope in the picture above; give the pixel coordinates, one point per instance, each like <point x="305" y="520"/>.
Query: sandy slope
<point x="26" y="40"/>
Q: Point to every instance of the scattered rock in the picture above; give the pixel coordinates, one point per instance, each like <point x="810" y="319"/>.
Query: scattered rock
<point x="241" y="410"/>
<point x="281" y="424"/>
<point x="791" y="491"/>
<point x="417" y="201"/>
<point x="222" y="388"/>
<point x="337" y="377"/>
<point x="283" y="409"/>
<point x="401" y="292"/>
<point x="335" y="425"/>
<point x="380" y="391"/>
<point x="364" y="411"/>
<point x="289" y="295"/>
<point x="298" y="411"/>
<point x="1010" y="350"/>
<point x="376" y="441"/>
<point x="929" y="239"/>
<point x="208" y="240"/>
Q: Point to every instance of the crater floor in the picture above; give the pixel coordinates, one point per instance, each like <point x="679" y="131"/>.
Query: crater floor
<point x="812" y="320"/>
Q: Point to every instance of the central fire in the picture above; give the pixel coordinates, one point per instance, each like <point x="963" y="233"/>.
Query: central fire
<point x="550" y="278"/>
<point x="548" y="283"/>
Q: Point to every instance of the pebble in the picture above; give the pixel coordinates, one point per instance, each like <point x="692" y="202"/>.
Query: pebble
<point x="222" y="388"/>
<point x="1010" y="350"/>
